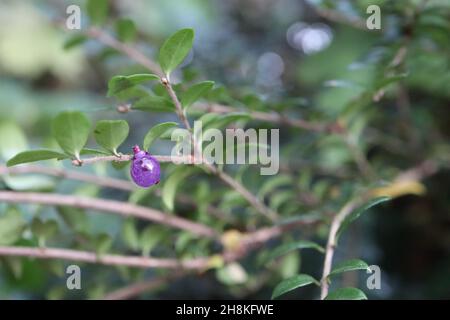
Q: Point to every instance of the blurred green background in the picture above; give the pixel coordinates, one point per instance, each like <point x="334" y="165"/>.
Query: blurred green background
<point x="310" y="59"/>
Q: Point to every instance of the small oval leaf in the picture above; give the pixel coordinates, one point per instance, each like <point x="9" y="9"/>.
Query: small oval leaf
<point x="153" y="103"/>
<point x="71" y="131"/>
<point x="35" y="155"/>
<point x="170" y="186"/>
<point x="175" y="49"/>
<point x="288" y="247"/>
<point x="119" y="84"/>
<point x="292" y="283"/>
<point x="349" y="265"/>
<point x="156" y="132"/>
<point x="346" y="294"/>
<point x="195" y="92"/>
<point x="110" y="134"/>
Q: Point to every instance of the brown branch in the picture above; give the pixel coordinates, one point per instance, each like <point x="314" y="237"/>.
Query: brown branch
<point x="106" y="182"/>
<point x="132" y="53"/>
<point x="112" y="206"/>
<point x="127" y="157"/>
<point x="331" y="244"/>
<point x="138" y="57"/>
<point x="107" y="259"/>
<point x="176" y="102"/>
<point x="270" y="117"/>
<point x="338" y="17"/>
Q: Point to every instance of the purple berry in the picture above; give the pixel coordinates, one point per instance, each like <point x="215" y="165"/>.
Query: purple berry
<point x="145" y="169"/>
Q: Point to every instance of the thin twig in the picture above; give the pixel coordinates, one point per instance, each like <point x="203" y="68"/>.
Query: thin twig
<point x="105" y="182"/>
<point x="176" y="102"/>
<point x="132" y="53"/>
<point x="151" y="65"/>
<point x="112" y="206"/>
<point x="107" y="259"/>
<point x="331" y="244"/>
<point x="127" y="157"/>
<point x="270" y="117"/>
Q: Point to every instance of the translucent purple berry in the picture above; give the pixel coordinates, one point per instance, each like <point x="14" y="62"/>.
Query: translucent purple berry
<point x="145" y="169"/>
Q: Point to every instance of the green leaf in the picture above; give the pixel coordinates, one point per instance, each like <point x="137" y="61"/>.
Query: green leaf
<point x="117" y="84"/>
<point x="34" y="155"/>
<point x="288" y="247"/>
<point x="11" y="227"/>
<point x="103" y="243"/>
<point x="130" y="234"/>
<point x="349" y="265"/>
<point x="175" y="49"/>
<point x="97" y="10"/>
<point x="126" y="30"/>
<point x="195" y="92"/>
<point x="94" y="152"/>
<point x="71" y="131"/>
<point x="156" y="132"/>
<point x="43" y="229"/>
<point x="110" y="134"/>
<point x="223" y="120"/>
<point x="74" y="41"/>
<point x="150" y="237"/>
<point x="292" y="283"/>
<point x="346" y="294"/>
<point x="273" y="183"/>
<point x="154" y="103"/>
<point x="172" y="182"/>
<point x="356" y="213"/>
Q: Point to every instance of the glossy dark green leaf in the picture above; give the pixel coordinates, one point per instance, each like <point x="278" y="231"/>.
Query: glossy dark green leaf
<point x="71" y="131"/>
<point x="118" y="84"/>
<point x="195" y="92"/>
<point x="35" y="155"/>
<point x="349" y="265"/>
<point x="346" y="294"/>
<point x="175" y="49"/>
<point x="292" y="283"/>
<point x="110" y="134"/>
<point x="156" y="132"/>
